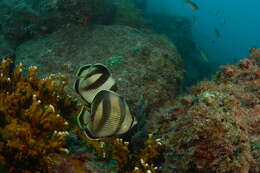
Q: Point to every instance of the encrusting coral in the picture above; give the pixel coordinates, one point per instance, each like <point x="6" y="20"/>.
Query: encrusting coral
<point x="33" y="123"/>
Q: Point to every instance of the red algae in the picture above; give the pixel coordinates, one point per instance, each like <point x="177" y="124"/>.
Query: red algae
<point x="215" y="127"/>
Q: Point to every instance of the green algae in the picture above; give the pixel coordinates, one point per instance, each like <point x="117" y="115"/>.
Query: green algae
<point x="114" y="61"/>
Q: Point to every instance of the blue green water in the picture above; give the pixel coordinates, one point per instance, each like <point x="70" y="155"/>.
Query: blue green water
<point x="236" y="20"/>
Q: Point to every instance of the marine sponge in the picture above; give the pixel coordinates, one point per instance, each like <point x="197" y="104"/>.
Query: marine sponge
<point x="33" y="114"/>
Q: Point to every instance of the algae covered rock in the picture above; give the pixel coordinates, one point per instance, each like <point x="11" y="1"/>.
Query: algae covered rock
<point x="22" y="20"/>
<point x="215" y="127"/>
<point x="144" y="64"/>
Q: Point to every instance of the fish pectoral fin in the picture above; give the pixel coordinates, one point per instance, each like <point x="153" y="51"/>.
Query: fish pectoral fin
<point x="135" y="122"/>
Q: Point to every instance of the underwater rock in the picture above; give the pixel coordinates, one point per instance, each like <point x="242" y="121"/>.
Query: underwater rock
<point x="5" y="49"/>
<point x="22" y="20"/>
<point x="179" y="30"/>
<point x="143" y="64"/>
<point x="127" y="13"/>
<point x="215" y="127"/>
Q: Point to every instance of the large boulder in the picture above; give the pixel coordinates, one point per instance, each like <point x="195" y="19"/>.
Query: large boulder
<point x="145" y="65"/>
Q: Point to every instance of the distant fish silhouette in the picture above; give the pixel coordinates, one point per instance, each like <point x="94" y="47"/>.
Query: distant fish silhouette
<point x="91" y="79"/>
<point x="110" y="116"/>
<point x="191" y="4"/>
<point x="217" y="33"/>
<point x="204" y="55"/>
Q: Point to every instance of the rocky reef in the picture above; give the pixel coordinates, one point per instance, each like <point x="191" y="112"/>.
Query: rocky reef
<point x="179" y="30"/>
<point x="215" y="127"/>
<point x="25" y="19"/>
<point x="22" y="20"/>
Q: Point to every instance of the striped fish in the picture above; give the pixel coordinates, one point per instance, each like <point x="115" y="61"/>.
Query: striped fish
<point x="110" y="116"/>
<point x="92" y="78"/>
